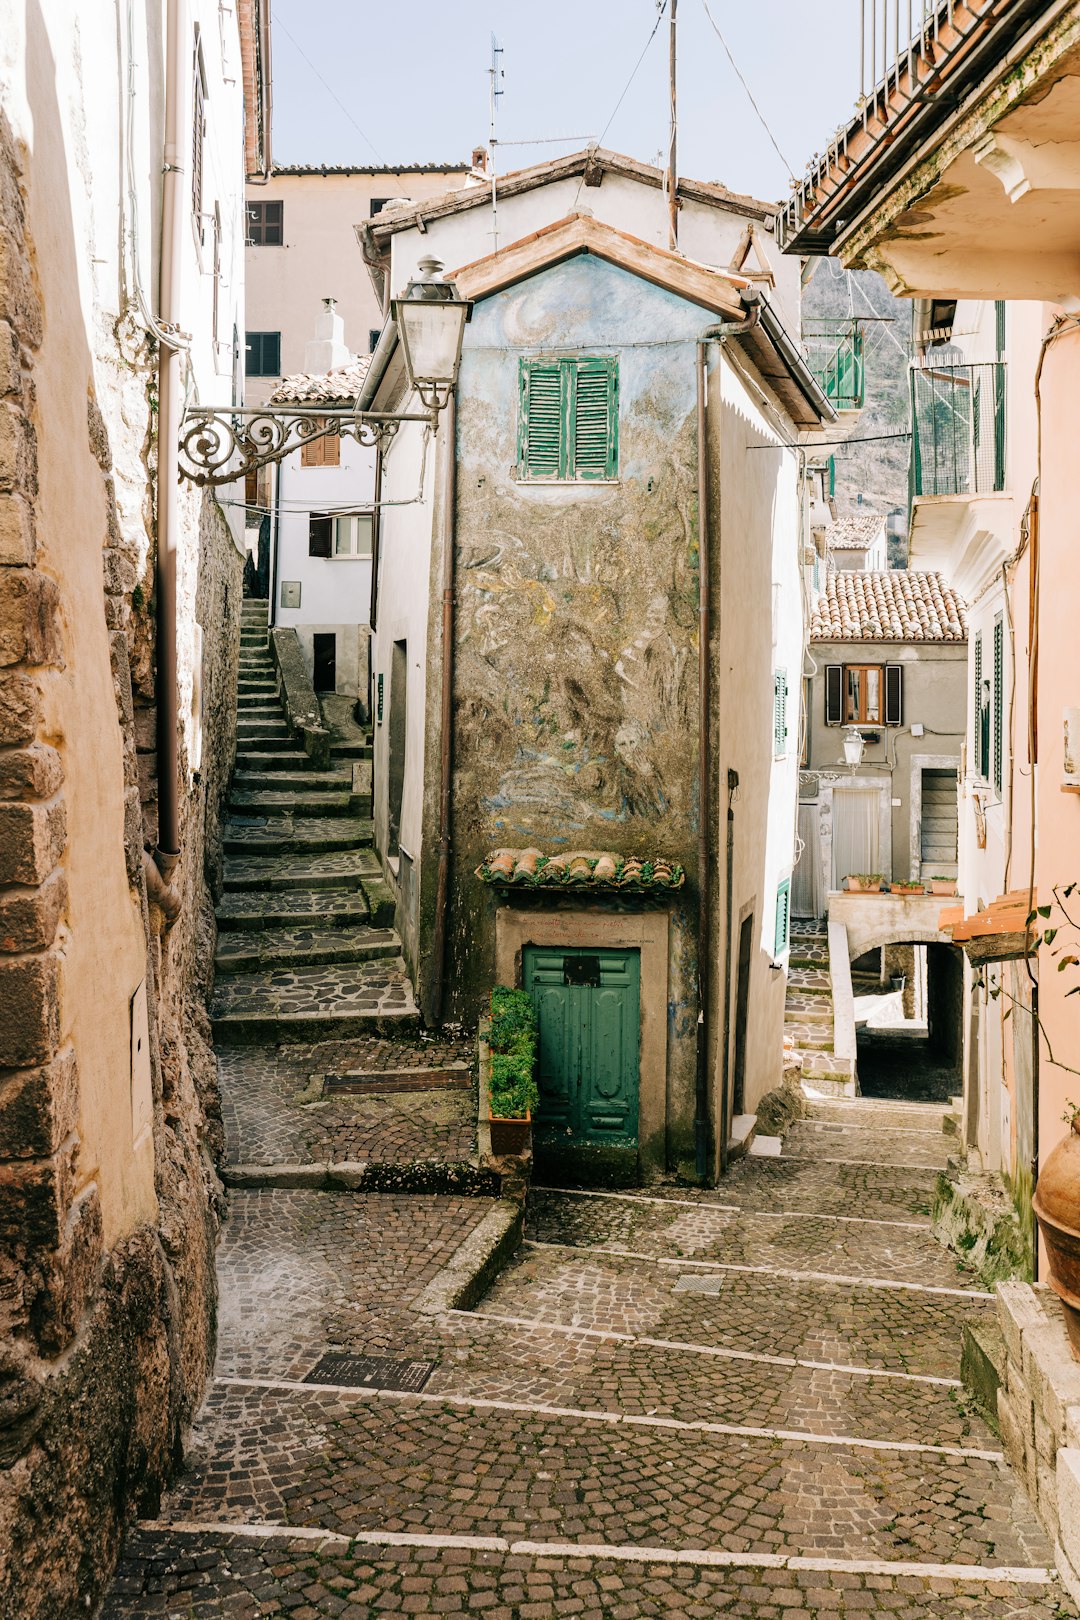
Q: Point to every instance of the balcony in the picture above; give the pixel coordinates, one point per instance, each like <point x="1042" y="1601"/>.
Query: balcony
<point x="958" y="429"/>
<point x="834" y="353"/>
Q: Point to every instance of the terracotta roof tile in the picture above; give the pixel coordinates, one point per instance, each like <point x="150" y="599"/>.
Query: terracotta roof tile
<point x="339" y="387"/>
<point x="590" y="868"/>
<point x="854" y="533"/>
<point x="899" y="605"/>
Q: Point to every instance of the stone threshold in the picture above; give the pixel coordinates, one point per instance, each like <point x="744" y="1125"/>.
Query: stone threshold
<point x="378" y="1175"/>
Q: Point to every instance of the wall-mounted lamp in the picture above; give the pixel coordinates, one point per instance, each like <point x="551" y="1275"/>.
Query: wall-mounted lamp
<point x="854" y="748"/>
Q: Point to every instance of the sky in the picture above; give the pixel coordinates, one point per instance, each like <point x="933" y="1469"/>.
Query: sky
<point x="411" y="82"/>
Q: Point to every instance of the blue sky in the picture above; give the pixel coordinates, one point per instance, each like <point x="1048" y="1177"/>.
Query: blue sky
<point x="412" y="82"/>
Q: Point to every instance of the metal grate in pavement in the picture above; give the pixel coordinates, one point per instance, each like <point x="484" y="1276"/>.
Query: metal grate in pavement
<point x="370" y="1372"/>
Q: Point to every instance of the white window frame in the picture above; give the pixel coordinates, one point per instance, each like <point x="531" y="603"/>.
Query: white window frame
<point x="357" y="529"/>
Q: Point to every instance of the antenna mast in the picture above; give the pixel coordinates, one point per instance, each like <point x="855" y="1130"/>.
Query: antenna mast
<point x="495" y="75"/>
<point x="672" y="173"/>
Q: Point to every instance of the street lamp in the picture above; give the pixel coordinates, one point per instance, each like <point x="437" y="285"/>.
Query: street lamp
<point x="430" y="320"/>
<point x="854" y="748"/>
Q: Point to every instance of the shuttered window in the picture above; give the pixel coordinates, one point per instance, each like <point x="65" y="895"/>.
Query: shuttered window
<point x="894" y="694"/>
<point x="780" y="696"/>
<point x="324" y="451"/>
<point x="834" y="694"/>
<point x="999" y="698"/>
<point x="320" y="534"/>
<point x="198" y="142"/>
<point x="783" y="916"/>
<point x="976" y="735"/>
<point x="569" y="419"/>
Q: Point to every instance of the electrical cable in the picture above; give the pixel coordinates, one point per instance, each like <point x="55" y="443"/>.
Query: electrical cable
<point x="329" y="90"/>
<point x="749" y="93"/>
<point x="662" y="7"/>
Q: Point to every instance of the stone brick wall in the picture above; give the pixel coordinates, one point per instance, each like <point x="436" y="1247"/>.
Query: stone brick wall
<point x="107" y="1299"/>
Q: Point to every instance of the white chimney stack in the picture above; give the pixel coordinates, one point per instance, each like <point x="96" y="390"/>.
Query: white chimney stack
<point x="327" y="350"/>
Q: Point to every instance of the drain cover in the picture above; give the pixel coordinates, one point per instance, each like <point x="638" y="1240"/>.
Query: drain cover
<point x="370" y="1372"/>
<point x="697" y="1284"/>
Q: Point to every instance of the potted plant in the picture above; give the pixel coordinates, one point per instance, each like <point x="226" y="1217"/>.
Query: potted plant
<point x="897" y="981"/>
<point x="512" y="1089"/>
<point x="1057" y="1204"/>
<point x="908" y="886"/>
<point x="864" y="882"/>
<point x="942" y="885"/>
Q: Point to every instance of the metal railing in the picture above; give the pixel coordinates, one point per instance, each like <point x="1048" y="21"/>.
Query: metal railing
<point x="834" y="353"/>
<point x="958" y="429"/>
<point x="906" y="50"/>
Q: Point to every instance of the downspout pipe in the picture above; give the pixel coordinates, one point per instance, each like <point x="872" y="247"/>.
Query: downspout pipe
<point x="446" y="721"/>
<point x="716" y="333"/>
<point x="169" y="412"/>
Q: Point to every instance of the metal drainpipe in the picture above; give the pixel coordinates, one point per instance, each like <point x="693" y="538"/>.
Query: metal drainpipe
<point x="169" y="410"/>
<point x="719" y="331"/>
<point x="446" y="738"/>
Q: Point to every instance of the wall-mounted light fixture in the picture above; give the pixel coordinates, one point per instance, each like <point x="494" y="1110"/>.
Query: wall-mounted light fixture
<point x="854" y="748"/>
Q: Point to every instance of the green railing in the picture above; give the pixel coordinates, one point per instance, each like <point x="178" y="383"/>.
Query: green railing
<point x="834" y="353"/>
<point x="958" y="429"/>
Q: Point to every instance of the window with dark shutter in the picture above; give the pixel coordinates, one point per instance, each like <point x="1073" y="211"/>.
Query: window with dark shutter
<point x="834" y="694"/>
<point x="999" y="699"/>
<point x="780" y="730"/>
<point x="894" y="694"/>
<point x="783" y="917"/>
<point x="976" y="734"/>
<point x="568" y="424"/>
<point x="320" y="534"/>
<point x="262" y="354"/>
<point x="198" y="142"/>
<point x="265" y="224"/>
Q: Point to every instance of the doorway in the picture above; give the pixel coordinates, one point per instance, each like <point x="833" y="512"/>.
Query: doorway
<point x="742" y="1011"/>
<point x="856" y="845"/>
<point x="588" y="1006"/>
<point x="324" y="661"/>
<point x="395" y="776"/>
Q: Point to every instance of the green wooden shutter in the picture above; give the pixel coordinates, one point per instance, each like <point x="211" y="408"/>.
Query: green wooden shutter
<point x="999" y="695"/>
<point x="976" y="734"/>
<point x="542" y="422"/>
<point x="783" y="916"/>
<point x="834" y="694"/>
<point x="780" y="693"/>
<point x="594" y="415"/>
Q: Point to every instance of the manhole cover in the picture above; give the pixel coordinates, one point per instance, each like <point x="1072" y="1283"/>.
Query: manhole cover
<point x="370" y="1372"/>
<point x="695" y="1284"/>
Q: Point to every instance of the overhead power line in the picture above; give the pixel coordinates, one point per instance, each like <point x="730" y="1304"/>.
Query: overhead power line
<point x="328" y="88"/>
<point x="749" y="93"/>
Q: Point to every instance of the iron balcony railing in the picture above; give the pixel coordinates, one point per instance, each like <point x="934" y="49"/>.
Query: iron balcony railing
<point x="834" y="353"/>
<point x="908" y="51"/>
<point x="958" y="429"/>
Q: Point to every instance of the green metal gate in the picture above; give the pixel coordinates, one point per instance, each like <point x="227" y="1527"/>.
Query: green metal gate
<point x="588" y="1003"/>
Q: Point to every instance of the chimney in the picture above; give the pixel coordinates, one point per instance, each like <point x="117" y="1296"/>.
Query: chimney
<point x="327" y="351"/>
<point x="479" y="158"/>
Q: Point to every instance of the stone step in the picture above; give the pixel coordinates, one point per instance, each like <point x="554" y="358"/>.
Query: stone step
<point x="271" y="778"/>
<point x="286" y="835"/>
<point x="264" y="702"/>
<point x="812" y="980"/>
<point x="803" y="1009"/>
<point x="350" y="750"/>
<point x="284" y="759"/>
<point x="253" y="909"/>
<point x="341" y="870"/>
<point x="256" y="725"/>
<point x="255" y="686"/>
<point x="874" y="1113"/>
<point x="314" y="1003"/>
<point x="263" y="741"/>
<point x="914" y="1147"/>
<point x="249" y="950"/>
<point x="810" y="1037"/>
<point x="827" y="1066"/>
<point x="276" y="800"/>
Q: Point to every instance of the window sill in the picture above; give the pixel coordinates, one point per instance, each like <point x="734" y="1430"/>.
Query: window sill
<point x="567" y="483"/>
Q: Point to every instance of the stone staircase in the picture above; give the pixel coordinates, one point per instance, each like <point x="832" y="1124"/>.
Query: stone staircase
<point x="303" y="950"/>
<point x="808" y="1014"/>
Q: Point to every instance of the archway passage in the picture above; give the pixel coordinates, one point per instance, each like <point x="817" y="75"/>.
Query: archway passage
<point x="908" y="1013"/>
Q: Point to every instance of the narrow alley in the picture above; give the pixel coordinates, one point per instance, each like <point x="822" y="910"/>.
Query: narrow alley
<point x="742" y="1401"/>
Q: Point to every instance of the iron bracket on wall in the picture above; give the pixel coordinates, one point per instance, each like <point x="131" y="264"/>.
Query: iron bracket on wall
<point x="220" y="445"/>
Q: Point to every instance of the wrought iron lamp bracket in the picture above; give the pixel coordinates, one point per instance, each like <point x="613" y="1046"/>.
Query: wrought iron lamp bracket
<point x="220" y="445"/>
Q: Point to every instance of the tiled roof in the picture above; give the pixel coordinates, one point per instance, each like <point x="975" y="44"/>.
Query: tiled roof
<point x="854" y="533"/>
<point x="339" y="387"/>
<point x="372" y="168"/>
<point x="899" y="605"/>
<point x="590" y="868"/>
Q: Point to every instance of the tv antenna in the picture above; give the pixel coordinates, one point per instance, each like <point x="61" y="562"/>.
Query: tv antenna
<point x="495" y="93"/>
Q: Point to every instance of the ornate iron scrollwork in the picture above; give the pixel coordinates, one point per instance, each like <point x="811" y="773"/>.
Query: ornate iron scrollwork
<point x="218" y="446"/>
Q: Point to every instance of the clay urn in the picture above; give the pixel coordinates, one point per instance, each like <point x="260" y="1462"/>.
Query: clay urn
<point x="1057" y="1204"/>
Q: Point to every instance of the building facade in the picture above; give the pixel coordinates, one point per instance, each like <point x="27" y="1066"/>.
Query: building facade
<point x="119" y="603"/>
<point x="548" y="595"/>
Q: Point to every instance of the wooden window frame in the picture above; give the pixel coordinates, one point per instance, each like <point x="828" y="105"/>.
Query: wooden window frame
<point x="570" y="370"/>
<point x="258" y="228"/>
<point x="891" y="695"/>
<point x="325" y="451"/>
<point x="863" y="718"/>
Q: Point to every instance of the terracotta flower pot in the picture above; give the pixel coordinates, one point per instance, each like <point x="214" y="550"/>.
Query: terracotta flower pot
<point x="1057" y="1205"/>
<point x="509" y="1136"/>
<point x="907" y="888"/>
<point x="942" y="886"/>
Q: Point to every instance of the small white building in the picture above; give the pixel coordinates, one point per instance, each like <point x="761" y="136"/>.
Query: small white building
<point x="321" y="524"/>
<point x="858" y="544"/>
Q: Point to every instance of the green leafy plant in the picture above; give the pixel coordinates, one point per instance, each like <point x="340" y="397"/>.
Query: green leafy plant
<point x="907" y="883"/>
<point x="867" y="879"/>
<point x="512" y="1090"/>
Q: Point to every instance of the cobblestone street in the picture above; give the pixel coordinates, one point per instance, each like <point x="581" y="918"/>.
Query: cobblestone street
<point x="741" y="1402"/>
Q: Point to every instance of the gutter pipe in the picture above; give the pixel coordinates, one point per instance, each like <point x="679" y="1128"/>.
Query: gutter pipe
<point x="169" y="412"/>
<point x="446" y="725"/>
<point x="751" y="300"/>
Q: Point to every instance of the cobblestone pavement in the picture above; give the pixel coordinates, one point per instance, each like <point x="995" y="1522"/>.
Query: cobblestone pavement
<point x="741" y="1402"/>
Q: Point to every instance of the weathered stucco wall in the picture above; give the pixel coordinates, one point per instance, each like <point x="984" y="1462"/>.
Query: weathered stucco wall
<point x="106" y="1176"/>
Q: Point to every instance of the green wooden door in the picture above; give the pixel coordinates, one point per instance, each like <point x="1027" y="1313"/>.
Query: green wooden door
<point x="588" y="1003"/>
